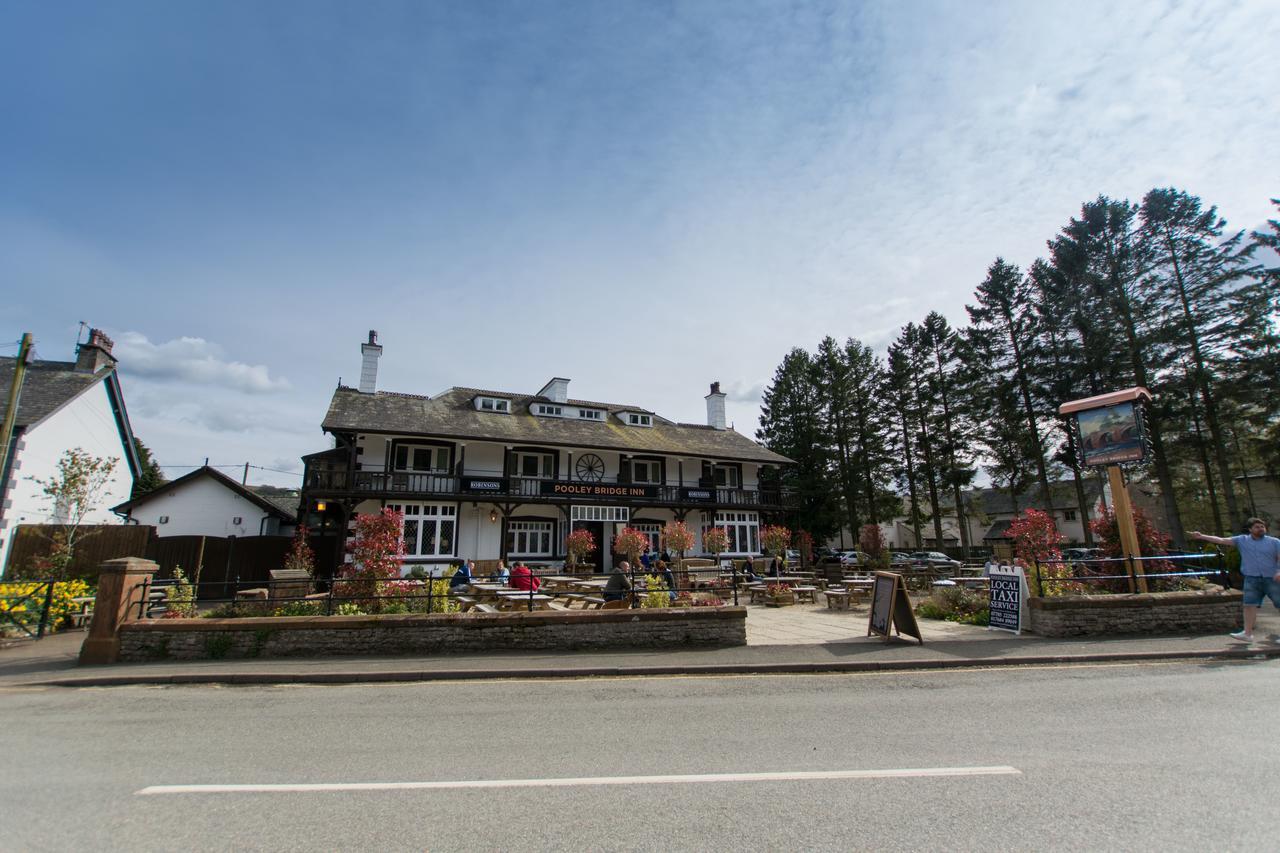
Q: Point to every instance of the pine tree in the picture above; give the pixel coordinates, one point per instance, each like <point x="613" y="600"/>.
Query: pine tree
<point x="899" y="392"/>
<point x="942" y="345"/>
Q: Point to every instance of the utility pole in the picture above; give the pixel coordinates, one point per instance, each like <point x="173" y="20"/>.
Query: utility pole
<point x="244" y="481"/>
<point x="11" y="411"/>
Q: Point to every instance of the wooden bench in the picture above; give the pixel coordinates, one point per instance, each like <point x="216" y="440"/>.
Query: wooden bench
<point x="838" y="599"/>
<point x="804" y="593"/>
<point x="481" y="607"/>
<point x="465" y="603"/>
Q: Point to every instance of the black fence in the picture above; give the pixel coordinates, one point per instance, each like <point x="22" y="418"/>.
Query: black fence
<point x="547" y="590"/>
<point x="1120" y="574"/>
<point x="30" y="609"/>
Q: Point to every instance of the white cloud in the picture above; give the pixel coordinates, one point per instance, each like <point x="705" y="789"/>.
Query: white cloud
<point x="192" y="360"/>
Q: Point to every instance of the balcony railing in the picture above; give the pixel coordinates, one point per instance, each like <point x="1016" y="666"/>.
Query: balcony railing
<point x="406" y="484"/>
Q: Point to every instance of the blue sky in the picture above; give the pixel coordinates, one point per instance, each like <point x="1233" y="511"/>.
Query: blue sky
<point x="643" y="197"/>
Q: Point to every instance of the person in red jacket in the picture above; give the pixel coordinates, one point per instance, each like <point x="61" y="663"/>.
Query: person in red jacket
<point x="522" y="578"/>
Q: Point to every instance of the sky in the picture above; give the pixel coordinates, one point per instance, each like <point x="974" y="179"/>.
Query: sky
<point x="644" y="197"/>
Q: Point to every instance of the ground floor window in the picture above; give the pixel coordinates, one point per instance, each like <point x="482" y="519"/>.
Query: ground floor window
<point x="743" y="529"/>
<point x="530" y="538"/>
<point x="654" y="533"/>
<point x="429" y="529"/>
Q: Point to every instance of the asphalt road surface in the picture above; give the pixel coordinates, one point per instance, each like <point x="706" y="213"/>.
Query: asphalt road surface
<point x="1133" y="757"/>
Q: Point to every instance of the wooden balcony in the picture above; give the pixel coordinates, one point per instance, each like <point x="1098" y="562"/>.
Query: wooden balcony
<point x="423" y="486"/>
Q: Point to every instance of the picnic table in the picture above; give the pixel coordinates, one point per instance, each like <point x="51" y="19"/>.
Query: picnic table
<point x="515" y="599"/>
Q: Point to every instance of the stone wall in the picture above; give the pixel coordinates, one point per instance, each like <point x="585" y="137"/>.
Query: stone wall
<point x="322" y="636"/>
<point x="1208" y="612"/>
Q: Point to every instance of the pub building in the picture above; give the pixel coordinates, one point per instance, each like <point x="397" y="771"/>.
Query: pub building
<point x="488" y="474"/>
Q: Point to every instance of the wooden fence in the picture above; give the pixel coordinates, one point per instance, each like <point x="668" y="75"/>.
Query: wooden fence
<point x="224" y="564"/>
<point x="95" y="543"/>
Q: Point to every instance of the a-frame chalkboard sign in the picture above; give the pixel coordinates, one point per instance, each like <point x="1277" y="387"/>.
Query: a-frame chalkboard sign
<point x="891" y="608"/>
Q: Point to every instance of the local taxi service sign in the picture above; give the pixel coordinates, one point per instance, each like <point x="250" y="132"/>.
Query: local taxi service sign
<point x="1008" y="601"/>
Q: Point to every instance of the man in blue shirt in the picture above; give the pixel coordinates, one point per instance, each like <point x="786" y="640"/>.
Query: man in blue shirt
<point x="1260" y="565"/>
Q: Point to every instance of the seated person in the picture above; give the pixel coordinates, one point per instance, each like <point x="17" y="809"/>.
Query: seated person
<point x="500" y="574"/>
<point x="462" y="577"/>
<point x="668" y="578"/>
<point x="522" y="578"/>
<point x="749" y="569"/>
<point x="775" y="568"/>
<point x="619" y="583"/>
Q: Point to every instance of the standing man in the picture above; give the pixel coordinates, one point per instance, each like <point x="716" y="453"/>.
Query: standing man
<point x="1260" y="565"/>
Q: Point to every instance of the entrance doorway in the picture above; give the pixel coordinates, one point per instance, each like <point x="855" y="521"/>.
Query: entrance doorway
<point x="595" y="556"/>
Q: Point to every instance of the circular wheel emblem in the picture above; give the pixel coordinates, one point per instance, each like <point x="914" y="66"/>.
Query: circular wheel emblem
<point x="589" y="467"/>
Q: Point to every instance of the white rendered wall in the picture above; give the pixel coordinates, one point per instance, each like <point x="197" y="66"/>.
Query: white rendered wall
<point x="202" y="507"/>
<point x="87" y="423"/>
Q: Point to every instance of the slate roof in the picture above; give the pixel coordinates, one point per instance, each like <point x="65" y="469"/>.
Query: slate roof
<point x="47" y="386"/>
<point x="285" y="512"/>
<point x="997" y="501"/>
<point x="453" y="414"/>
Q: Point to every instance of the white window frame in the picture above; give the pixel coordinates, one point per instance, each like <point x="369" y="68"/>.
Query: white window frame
<point x="437" y="454"/>
<point x="638" y="419"/>
<point x="730" y="472"/>
<point x="550" y="410"/>
<point x="654" y="532"/>
<point x="548" y="458"/>
<point x="531" y="538"/>
<point x="653" y="471"/>
<point x="619" y="514"/>
<point x="743" y="529"/>
<point x="493" y="404"/>
<point x="418" y="518"/>
<point x="591" y="414"/>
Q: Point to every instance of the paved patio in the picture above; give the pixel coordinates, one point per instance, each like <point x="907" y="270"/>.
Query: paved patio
<point x="802" y="624"/>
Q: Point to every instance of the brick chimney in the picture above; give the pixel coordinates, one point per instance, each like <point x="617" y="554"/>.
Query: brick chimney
<point x="370" y="353"/>
<point x="715" y="407"/>
<point x="95" y="354"/>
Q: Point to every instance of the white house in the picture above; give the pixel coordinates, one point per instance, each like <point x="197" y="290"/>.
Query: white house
<point x="499" y="474"/>
<point x="207" y="502"/>
<point x="63" y="405"/>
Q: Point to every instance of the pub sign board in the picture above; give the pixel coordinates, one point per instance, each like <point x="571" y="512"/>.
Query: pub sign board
<point x="1007" y="602"/>
<point x="1111" y="434"/>
<point x="692" y="495"/>
<point x="485" y="485"/>
<point x="562" y="488"/>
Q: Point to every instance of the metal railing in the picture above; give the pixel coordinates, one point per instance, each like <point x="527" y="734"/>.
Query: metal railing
<point x="1115" y="572"/>
<point x="27" y="605"/>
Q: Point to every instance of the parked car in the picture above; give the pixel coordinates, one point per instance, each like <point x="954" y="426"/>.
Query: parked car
<point x="1082" y="554"/>
<point x="855" y="558"/>
<point x="793" y="557"/>
<point x="901" y="560"/>
<point x="936" y="560"/>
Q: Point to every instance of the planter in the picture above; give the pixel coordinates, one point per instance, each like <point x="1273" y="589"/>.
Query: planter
<point x="782" y="599"/>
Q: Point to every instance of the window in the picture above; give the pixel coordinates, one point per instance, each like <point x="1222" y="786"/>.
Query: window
<point x="492" y="404"/>
<point x="1068" y="515"/>
<point x="743" y="529"/>
<point x="654" y="532"/>
<point x="600" y="513"/>
<point x="591" y="414"/>
<point x="554" y="411"/>
<point x="539" y="465"/>
<point x="639" y="420"/>
<point x="428" y="529"/>
<point x="646" y="471"/>
<point x="411" y="457"/>
<point x="726" y="476"/>
<point x="529" y="538"/>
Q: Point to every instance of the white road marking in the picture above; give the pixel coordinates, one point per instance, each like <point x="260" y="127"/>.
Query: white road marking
<point x="796" y="776"/>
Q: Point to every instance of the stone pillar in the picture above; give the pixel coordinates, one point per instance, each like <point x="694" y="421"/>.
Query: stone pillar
<point x="119" y="592"/>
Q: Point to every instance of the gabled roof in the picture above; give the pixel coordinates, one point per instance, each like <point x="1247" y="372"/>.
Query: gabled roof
<point x="452" y="414"/>
<point x="50" y="385"/>
<point x="221" y="479"/>
<point x="47" y="387"/>
<point x="998" y="502"/>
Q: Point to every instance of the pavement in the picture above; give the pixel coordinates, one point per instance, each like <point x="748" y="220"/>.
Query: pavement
<point x="801" y="639"/>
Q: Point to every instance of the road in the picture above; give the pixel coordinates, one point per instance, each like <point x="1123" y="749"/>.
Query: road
<point x="1133" y="757"/>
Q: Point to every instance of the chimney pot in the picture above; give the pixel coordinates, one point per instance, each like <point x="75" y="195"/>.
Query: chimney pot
<point x="715" y="407"/>
<point x="95" y="353"/>
<point x="369" y="355"/>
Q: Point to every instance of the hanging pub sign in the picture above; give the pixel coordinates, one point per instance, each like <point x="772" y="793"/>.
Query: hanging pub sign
<point x="1007" y="602"/>
<point x="1109" y="428"/>
<point x="564" y="488"/>
<point x="485" y="485"/>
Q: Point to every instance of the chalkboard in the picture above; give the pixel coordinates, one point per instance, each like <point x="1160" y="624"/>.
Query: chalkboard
<point x="891" y="608"/>
<point x="1007" y="598"/>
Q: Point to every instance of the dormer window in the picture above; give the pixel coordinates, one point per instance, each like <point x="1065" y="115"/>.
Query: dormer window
<point x="637" y="419"/>
<point x="591" y="414"/>
<point x="493" y="404"/>
<point x="551" y="411"/>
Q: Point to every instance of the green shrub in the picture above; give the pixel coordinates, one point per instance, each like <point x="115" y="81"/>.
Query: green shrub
<point x="300" y="608"/>
<point x="657" y="594"/>
<point x="180" y="599"/>
<point x="348" y="608"/>
<point x="955" y="604"/>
